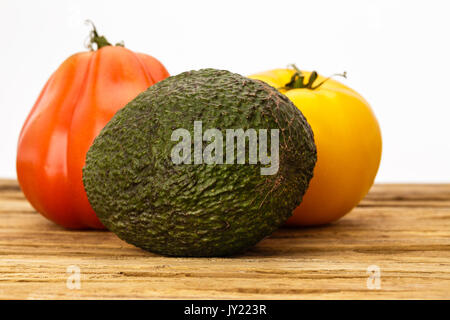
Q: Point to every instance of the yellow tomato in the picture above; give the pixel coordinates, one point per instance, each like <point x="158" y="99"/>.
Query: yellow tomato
<point x="348" y="140"/>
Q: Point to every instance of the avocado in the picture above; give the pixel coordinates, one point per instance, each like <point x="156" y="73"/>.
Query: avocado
<point x="200" y="204"/>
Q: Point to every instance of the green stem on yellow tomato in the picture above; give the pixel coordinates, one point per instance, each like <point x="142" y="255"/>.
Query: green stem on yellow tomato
<point x="298" y="80"/>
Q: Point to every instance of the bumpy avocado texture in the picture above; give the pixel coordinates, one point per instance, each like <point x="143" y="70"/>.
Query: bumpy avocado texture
<point x="140" y="194"/>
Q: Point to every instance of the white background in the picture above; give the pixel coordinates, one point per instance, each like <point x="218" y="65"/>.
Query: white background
<point x="396" y="53"/>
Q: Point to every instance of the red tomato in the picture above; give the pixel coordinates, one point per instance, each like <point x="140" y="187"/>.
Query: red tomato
<point x="78" y="100"/>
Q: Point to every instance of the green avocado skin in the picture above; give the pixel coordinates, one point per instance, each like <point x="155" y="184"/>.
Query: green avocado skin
<point x="197" y="209"/>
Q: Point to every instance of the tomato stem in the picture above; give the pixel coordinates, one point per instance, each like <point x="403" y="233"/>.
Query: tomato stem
<point x="96" y="41"/>
<point x="298" y="79"/>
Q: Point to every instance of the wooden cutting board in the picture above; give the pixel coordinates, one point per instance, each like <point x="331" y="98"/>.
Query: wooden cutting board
<point x="396" y="244"/>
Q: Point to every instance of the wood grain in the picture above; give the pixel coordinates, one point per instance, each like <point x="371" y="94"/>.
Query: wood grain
<point x="402" y="229"/>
